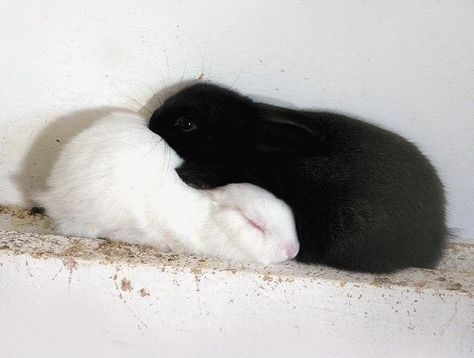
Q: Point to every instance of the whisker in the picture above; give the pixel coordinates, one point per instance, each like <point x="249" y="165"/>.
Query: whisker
<point x="238" y="76"/>
<point x="184" y="71"/>
<point x="163" y="79"/>
<point x="159" y="139"/>
<point x="167" y="65"/>
<point x="165" y="167"/>
<point x="154" y="92"/>
<point x="108" y="136"/>
<point x="159" y="99"/>
<point x="143" y="107"/>
<point x="203" y="62"/>
<point x="209" y="72"/>
<point x="161" y="93"/>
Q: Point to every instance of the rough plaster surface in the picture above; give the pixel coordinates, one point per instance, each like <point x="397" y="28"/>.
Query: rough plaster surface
<point x="80" y="297"/>
<point x="77" y="297"/>
<point x="406" y="65"/>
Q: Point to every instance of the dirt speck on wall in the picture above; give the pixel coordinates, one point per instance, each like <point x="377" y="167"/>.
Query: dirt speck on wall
<point x="143" y="292"/>
<point x="126" y="285"/>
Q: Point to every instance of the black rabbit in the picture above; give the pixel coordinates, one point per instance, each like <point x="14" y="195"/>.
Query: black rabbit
<point x="364" y="198"/>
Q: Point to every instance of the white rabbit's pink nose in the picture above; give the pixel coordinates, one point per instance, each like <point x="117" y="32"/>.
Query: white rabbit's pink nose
<point x="292" y="249"/>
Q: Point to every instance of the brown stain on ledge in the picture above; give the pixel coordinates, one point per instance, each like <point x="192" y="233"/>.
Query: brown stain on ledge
<point x="197" y="271"/>
<point x="267" y="277"/>
<point x="143" y="292"/>
<point x="70" y="263"/>
<point x="126" y="285"/>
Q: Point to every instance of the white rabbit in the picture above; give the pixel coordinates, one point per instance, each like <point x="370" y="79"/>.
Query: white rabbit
<point x="117" y="179"/>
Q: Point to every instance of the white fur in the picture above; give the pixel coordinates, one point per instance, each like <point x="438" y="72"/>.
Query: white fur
<point x="117" y="180"/>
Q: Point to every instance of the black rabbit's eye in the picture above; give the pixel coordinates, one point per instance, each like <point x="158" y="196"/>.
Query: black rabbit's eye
<point x="185" y="124"/>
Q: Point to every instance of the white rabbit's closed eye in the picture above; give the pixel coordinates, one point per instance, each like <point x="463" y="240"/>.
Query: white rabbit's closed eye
<point x="117" y="179"/>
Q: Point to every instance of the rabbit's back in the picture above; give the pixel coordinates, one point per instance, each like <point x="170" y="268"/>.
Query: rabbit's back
<point x="106" y="179"/>
<point x="373" y="201"/>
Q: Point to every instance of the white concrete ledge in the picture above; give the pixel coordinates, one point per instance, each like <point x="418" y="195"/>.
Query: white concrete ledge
<point x="79" y="297"/>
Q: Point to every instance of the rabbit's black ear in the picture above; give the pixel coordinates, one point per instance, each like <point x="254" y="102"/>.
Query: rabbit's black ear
<point x="281" y="134"/>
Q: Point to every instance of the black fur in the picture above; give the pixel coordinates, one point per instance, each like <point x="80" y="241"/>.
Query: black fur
<point x="37" y="210"/>
<point x="364" y="198"/>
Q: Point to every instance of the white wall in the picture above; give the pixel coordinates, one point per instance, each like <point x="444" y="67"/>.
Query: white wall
<point x="407" y="65"/>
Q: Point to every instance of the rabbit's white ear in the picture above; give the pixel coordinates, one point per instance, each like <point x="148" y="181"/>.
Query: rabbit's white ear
<point x="282" y="133"/>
